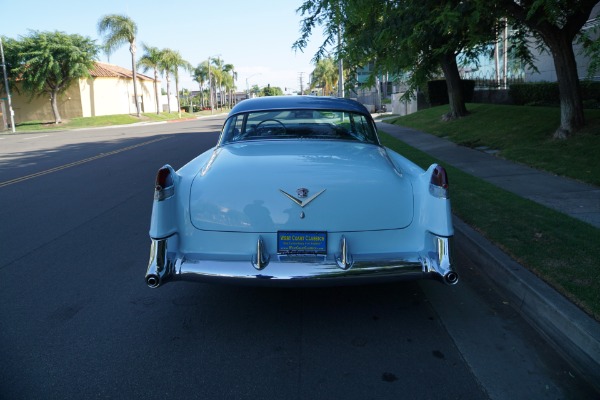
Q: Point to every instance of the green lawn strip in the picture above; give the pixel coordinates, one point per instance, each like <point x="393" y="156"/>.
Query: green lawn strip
<point x="74" y="123"/>
<point x="105" y="120"/>
<point x="522" y="134"/>
<point x="561" y="250"/>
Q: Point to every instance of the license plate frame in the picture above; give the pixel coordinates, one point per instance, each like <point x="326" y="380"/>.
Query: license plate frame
<point x="301" y="242"/>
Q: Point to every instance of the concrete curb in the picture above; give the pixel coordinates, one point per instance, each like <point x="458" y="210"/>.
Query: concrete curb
<point x="568" y="329"/>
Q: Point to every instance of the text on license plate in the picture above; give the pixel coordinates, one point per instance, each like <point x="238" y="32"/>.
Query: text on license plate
<point x="302" y="242"/>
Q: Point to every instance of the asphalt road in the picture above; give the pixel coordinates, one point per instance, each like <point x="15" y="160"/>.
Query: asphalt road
<point x="78" y="322"/>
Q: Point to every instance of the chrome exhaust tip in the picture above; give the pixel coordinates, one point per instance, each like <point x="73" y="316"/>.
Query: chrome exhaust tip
<point x="451" y="278"/>
<point x="153" y="281"/>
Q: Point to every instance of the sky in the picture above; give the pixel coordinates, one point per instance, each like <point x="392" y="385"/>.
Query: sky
<point x="256" y="36"/>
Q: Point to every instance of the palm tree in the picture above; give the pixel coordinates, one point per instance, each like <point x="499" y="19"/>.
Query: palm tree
<point x="325" y="75"/>
<point x="152" y="59"/>
<point x="230" y="81"/>
<point x="172" y="61"/>
<point x="227" y="82"/>
<point x="118" y="30"/>
<point x="218" y="75"/>
<point x="163" y="68"/>
<point x="200" y="75"/>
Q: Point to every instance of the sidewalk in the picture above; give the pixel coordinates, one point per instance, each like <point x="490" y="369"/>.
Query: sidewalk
<point x="571" y="331"/>
<point x="579" y="200"/>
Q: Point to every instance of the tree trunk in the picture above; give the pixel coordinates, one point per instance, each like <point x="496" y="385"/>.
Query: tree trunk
<point x="134" y="73"/>
<point x="156" y="91"/>
<point x="54" y="104"/>
<point x="168" y="78"/>
<point x="571" y="105"/>
<point x="177" y="91"/>
<point x="201" y="96"/>
<point x="456" y="97"/>
<point x="220" y="95"/>
<point x="558" y="36"/>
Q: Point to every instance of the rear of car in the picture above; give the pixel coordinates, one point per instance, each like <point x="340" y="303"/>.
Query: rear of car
<point x="299" y="192"/>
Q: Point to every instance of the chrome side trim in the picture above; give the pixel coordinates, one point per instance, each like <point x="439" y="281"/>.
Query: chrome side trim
<point x="438" y="192"/>
<point x="161" y="193"/>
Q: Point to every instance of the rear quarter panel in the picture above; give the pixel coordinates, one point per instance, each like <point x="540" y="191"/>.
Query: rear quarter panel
<point x="433" y="214"/>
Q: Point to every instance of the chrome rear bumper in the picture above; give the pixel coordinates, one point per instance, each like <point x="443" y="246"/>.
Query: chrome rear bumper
<point x="261" y="269"/>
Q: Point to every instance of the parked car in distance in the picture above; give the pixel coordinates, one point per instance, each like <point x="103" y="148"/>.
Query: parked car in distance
<point x="299" y="191"/>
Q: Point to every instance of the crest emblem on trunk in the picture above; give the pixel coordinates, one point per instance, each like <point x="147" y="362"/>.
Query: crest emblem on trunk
<point x="302" y="194"/>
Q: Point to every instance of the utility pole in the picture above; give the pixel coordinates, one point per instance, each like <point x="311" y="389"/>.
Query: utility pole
<point x="10" y="110"/>
<point x="210" y="88"/>
<point x="301" y="86"/>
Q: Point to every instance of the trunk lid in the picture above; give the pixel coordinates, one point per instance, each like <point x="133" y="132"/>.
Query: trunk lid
<point x="259" y="187"/>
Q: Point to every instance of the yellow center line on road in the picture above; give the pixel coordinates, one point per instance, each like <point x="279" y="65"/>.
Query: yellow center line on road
<point x="75" y="163"/>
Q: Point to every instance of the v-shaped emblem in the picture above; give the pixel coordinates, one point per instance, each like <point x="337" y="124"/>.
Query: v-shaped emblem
<point x="301" y="203"/>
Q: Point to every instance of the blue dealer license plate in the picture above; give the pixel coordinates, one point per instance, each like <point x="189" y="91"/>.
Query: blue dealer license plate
<point x="302" y="242"/>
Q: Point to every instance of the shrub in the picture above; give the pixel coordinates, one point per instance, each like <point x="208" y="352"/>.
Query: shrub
<point x="547" y="94"/>
<point x="534" y="94"/>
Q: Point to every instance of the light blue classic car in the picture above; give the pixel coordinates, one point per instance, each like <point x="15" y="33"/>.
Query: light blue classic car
<point x="299" y="191"/>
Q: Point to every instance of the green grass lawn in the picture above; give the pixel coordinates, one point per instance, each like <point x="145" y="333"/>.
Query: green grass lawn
<point x="561" y="250"/>
<point x="521" y="134"/>
<point x="105" y="120"/>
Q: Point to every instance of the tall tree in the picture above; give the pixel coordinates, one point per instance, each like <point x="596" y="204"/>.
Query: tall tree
<point x="325" y="75"/>
<point x="117" y="30"/>
<point x="47" y="63"/>
<point x="557" y="23"/>
<point x="255" y="90"/>
<point x="217" y="74"/>
<point x="152" y="59"/>
<point x="172" y="61"/>
<point x="411" y="37"/>
<point x="230" y="77"/>
<point x="271" y="91"/>
<point x="200" y="75"/>
<point x="164" y="68"/>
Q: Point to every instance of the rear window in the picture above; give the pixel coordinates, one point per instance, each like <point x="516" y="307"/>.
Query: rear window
<point x="299" y="124"/>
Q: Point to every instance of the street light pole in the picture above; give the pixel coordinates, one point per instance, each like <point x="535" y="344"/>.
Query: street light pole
<point x="247" y="86"/>
<point x="210" y="88"/>
<point x="10" y="110"/>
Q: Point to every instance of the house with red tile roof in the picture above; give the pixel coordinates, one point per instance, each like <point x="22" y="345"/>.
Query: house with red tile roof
<point x="108" y="91"/>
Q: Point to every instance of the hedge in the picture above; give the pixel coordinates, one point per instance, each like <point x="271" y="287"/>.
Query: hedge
<point x="547" y="94"/>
